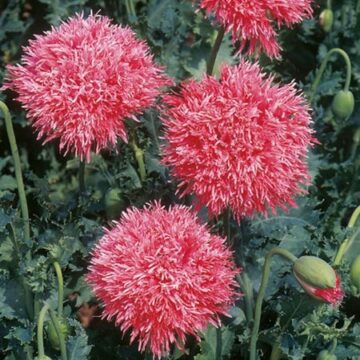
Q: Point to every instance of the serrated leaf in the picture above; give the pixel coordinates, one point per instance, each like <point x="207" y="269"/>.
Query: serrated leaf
<point x="216" y="343"/>
<point x="23" y="335"/>
<point x="77" y="345"/>
<point x="7" y="182"/>
<point x="5" y="218"/>
<point x="6" y="250"/>
<point x="6" y="311"/>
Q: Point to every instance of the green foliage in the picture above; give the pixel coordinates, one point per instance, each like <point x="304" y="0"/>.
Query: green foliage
<point x="216" y="343"/>
<point x="66" y="224"/>
<point x="77" y="345"/>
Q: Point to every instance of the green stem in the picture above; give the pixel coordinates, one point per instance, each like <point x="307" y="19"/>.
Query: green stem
<point x="344" y="248"/>
<point x="214" y="51"/>
<point x="275" y="352"/>
<point x="346" y="244"/>
<point x="246" y="287"/>
<point x="304" y="347"/>
<point x="323" y="66"/>
<point x="82" y="186"/>
<point x="219" y="345"/>
<point x="28" y="352"/>
<point x="22" y="200"/>
<point x="40" y="330"/>
<point x="130" y="10"/>
<point x="328" y="4"/>
<point x="354" y="217"/>
<point x="333" y="346"/>
<point x="59" y="334"/>
<point x="354" y="148"/>
<point x="264" y="281"/>
<point x="18" y="172"/>
<point x="36" y="305"/>
<point x="60" y="287"/>
<point x="139" y="157"/>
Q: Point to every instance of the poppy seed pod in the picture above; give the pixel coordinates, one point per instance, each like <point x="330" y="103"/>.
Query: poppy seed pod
<point x="318" y="279"/>
<point x="343" y="104"/>
<point x="326" y="19"/>
<point x="326" y="355"/>
<point x="315" y="272"/>
<point x="52" y="334"/>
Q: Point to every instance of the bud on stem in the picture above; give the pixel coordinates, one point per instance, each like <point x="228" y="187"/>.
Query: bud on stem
<point x="318" y="279"/>
<point x="326" y="19"/>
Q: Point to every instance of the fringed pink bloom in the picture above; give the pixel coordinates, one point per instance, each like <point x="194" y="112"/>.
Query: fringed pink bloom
<point x="79" y="81"/>
<point x="330" y="295"/>
<point x="239" y="142"/>
<point x="252" y="22"/>
<point x="162" y="275"/>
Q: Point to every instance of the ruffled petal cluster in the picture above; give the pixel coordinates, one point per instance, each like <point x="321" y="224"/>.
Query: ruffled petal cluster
<point x="79" y="81"/>
<point x="332" y="295"/>
<point x="253" y="22"/>
<point x="239" y="142"/>
<point x="162" y="275"/>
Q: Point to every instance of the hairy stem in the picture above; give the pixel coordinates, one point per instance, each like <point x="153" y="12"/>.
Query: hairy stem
<point x="18" y="172"/>
<point x="214" y="51"/>
<point x="346" y="244"/>
<point x="40" y="330"/>
<point x="60" y="281"/>
<point x="259" y="300"/>
<point x="322" y="69"/>
<point x="22" y="199"/>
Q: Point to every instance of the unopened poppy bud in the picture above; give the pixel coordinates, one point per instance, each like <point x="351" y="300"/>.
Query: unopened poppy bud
<point x="326" y="355"/>
<point x="326" y="19"/>
<point x="343" y="104"/>
<point x="318" y="279"/>
<point x="355" y="275"/>
<point x="52" y="334"/>
<point x="315" y="271"/>
<point x="43" y="357"/>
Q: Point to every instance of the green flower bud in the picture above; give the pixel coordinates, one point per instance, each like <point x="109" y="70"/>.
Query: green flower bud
<point x="315" y="272"/>
<point x="114" y="203"/>
<point x="343" y="104"/>
<point x="355" y="274"/>
<point x="326" y="19"/>
<point x="44" y="357"/>
<point x="326" y="355"/>
<point x="52" y="335"/>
